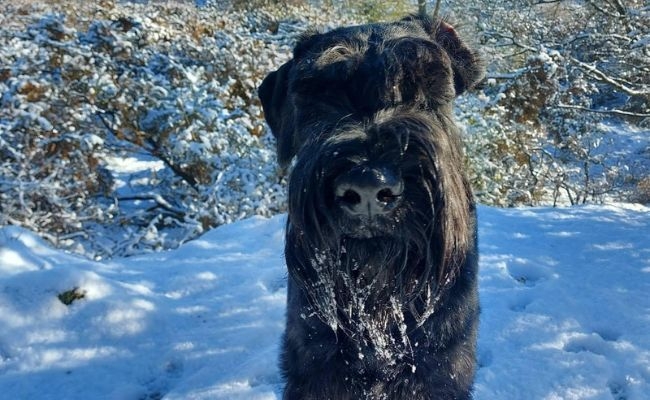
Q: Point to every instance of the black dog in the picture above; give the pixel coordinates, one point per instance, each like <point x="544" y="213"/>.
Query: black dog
<point x="381" y="235"/>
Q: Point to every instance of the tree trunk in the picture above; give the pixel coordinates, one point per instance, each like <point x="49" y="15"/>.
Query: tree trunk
<point x="436" y="10"/>
<point x="422" y="7"/>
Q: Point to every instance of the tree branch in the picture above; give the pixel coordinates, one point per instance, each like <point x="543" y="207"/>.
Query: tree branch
<point x="158" y="199"/>
<point x="512" y="40"/>
<point x="436" y="10"/>
<point x="620" y="8"/>
<point x="600" y="75"/>
<point x="613" y="112"/>
<point x="155" y="151"/>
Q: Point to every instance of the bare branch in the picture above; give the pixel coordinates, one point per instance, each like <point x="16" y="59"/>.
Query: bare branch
<point x="155" y="151"/>
<point x="158" y="199"/>
<point x="620" y="8"/>
<point x="513" y="41"/>
<point x="613" y="112"/>
<point x="436" y="10"/>
<point x="602" y="76"/>
<point x="600" y="36"/>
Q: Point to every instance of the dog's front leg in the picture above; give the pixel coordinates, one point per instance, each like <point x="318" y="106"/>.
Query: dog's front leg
<point x="313" y="361"/>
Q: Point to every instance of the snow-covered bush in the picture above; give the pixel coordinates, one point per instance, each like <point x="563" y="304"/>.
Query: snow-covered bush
<point x="509" y="159"/>
<point x="50" y="171"/>
<point x="560" y="77"/>
<point x="126" y="127"/>
<point x="526" y="148"/>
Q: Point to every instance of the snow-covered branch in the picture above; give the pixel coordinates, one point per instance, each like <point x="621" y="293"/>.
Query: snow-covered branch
<point x="604" y="77"/>
<point x="609" y="112"/>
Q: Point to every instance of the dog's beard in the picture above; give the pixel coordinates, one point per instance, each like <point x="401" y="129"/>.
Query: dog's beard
<point x="374" y="283"/>
<point x="361" y="290"/>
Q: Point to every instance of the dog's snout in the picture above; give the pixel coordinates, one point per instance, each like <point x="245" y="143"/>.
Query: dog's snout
<point x="368" y="191"/>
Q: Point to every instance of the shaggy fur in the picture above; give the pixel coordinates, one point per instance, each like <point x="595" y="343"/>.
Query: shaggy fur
<point x="382" y="302"/>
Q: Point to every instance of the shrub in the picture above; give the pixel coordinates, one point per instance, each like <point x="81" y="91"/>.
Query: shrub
<point x="130" y="127"/>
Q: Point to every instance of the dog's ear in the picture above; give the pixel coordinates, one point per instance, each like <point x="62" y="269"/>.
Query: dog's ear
<point x="278" y="111"/>
<point x="467" y="65"/>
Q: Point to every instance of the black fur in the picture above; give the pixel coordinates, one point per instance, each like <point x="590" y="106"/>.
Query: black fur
<point x="379" y="306"/>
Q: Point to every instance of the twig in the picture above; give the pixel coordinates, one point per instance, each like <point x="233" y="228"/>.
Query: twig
<point x="614" y="112"/>
<point x="436" y="10"/>
<point x="513" y="41"/>
<point x="154" y="150"/>
<point x="158" y="199"/>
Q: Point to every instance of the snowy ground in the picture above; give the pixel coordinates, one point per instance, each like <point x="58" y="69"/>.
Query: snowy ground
<point x="566" y="312"/>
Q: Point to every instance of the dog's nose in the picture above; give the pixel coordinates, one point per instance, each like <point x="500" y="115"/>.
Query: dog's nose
<point x="368" y="191"/>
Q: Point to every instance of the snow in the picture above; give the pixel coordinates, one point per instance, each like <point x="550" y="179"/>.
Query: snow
<point x="564" y="292"/>
<point x="565" y="303"/>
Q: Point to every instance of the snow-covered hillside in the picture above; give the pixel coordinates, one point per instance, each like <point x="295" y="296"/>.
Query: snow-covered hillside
<point x="565" y="312"/>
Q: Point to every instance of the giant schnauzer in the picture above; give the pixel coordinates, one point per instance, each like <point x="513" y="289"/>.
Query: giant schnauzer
<point x="381" y="234"/>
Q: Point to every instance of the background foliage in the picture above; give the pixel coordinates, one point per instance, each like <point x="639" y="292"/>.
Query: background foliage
<point x="132" y="126"/>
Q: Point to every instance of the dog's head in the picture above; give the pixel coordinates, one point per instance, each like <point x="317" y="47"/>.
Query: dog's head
<point x="350" y="74"/>
<point x="367" y="111"/>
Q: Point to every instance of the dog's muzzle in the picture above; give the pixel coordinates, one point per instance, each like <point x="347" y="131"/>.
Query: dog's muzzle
<point x="367" y="191"/>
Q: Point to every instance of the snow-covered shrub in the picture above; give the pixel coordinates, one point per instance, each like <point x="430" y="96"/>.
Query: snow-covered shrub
<point x="559" y="73"/>
<point x="50" y="172"/>
<point x="126" y="127"/>
<point x="509" y="159"/>
<point x="529" y="143"/>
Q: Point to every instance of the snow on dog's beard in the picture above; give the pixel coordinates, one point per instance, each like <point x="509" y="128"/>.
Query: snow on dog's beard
<point x="359" y="296"/>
